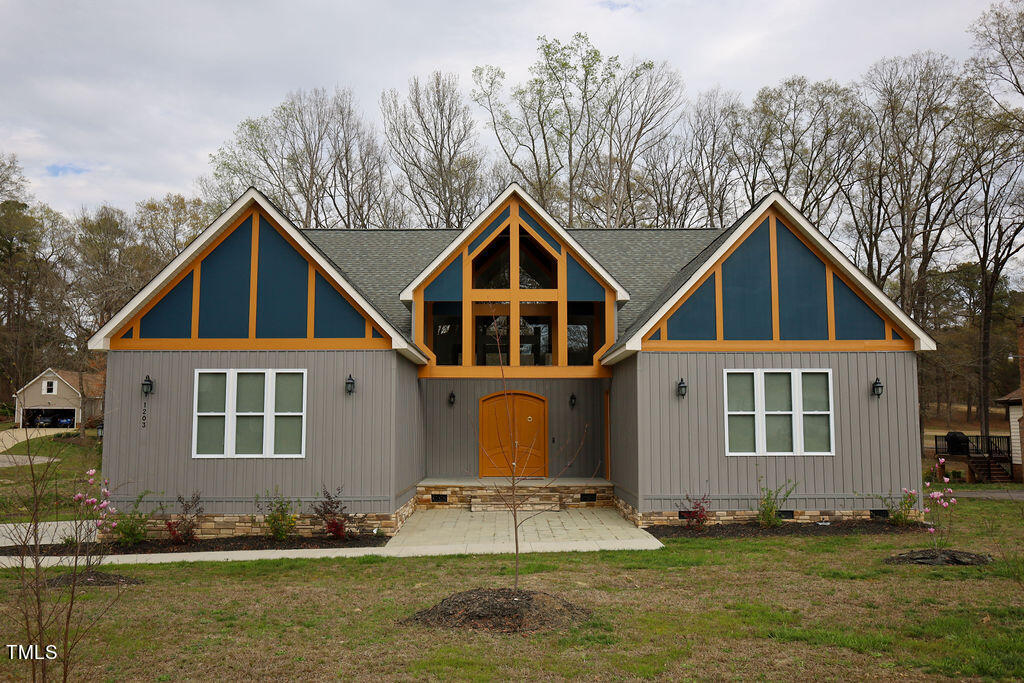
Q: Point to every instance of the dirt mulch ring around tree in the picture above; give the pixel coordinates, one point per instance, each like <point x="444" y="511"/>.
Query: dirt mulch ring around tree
<point x="92" y="577"/>
<point x="753" y="529"/>
<point x="216" y="544"/>
<point x="501" y="610"/>
<point x="937" y="557"/>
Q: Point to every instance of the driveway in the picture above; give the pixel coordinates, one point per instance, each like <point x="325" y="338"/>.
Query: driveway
<point x="11" y="437"/>
<point x="448" y="532"/>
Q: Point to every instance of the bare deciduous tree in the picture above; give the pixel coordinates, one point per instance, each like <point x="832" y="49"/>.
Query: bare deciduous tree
<point x="432" y="140"/>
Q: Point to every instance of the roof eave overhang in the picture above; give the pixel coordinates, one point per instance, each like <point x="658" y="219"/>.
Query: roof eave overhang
<point x="922" y="340"/>
<point x="101" y="340"/>
<point x="621" y="295"/>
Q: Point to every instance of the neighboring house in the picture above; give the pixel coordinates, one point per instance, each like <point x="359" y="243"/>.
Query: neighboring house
<point x="55" y="399"/>
<point x="1015" y="411"/>
<point x="670" y="362"/>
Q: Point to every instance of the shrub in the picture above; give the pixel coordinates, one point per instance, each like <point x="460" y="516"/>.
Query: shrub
<point x="278" y="514"/>
<point x="131" y="527"/>
<point x="696" y="511"/>
<point x="329" y="510"/>
<point x="771" y="501"/>
<point x="183" y="529"/>
<point x="939" y="505"/>
<point x="901" y="512"/>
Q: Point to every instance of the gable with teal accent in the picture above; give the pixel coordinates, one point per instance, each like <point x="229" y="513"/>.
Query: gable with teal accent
<point x="491" y="227"/>
<point x="224" y="287"/>
<point x="695" y="318"/>
<point x="747" y="288"/>
<point x="580" y="285"/>
<point x="803" y="293"/>
<point x="540" y="230"/>
<point x="448" y="285"/>
<point x="334" y="317"/>
<point x="171" y="317"/>
<point x="281" y="286"/>
<point x="854" y="318"/>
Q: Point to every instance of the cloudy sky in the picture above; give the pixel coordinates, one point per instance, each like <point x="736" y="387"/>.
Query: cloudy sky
<point x="119" y="101"/>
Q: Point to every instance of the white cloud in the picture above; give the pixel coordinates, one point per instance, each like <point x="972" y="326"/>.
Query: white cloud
<point x="137" y="95"/>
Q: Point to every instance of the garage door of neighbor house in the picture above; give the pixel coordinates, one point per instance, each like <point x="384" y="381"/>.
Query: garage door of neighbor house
<point x="513" y="429"/>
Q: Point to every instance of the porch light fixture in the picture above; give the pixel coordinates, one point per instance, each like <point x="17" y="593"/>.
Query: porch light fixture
<point x="877" y="388"/>
<point x="147" y="386"/>
<point x="451" y="398"/>
<point x="681" y="388"/>
<point x="350" y="384"/>
<point x="572" y="400"/>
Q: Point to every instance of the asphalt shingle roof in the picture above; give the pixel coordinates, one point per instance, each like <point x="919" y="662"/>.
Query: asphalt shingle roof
<point x="648" y="263"/>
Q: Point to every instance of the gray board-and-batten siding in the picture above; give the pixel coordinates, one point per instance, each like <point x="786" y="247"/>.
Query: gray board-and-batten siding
<point x="575" y="434"/>
<point x="681" y="442"/>
<point x="351" y="440"/>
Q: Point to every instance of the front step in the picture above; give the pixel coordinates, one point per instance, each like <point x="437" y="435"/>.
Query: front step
<point x="526" y="502"/>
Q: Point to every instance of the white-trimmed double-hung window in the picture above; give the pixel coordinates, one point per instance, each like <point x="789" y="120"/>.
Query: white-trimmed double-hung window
<point x="50" y="386"/>
<point x="779" y="412"/>
<point x="249" y="414"/>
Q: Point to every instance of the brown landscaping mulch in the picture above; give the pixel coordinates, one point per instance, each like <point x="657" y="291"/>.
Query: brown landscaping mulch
<point x="93" y="578"/>
<point x="218" y="544"/>
<point x="502" y="610"/>
<point x="753" y="529"/>
<point x="933" y="557"/>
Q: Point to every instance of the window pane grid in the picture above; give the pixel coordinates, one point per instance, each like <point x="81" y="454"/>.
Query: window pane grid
<point x="782" y="421"/>
<point x="238" y="413"/>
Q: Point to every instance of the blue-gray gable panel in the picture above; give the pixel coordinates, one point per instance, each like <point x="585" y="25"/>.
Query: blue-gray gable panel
<point x="854" y="318"/>
<point x="488" y="230"/>
<point x="695" y="319"/>
<point x="540" y="230"/>
<point x="224" y="287"/>
<point x="580" y="286"/>
<point x="448" y="285"/>
<point x="335" y="317"/>
<point x="803" y="297"/>
<point x="171" y="317"/>
<point x="747" y="288"/>
<point x="282" y="281"/>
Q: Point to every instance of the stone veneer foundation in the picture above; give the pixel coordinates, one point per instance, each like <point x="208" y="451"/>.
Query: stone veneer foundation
<point x="671" y="517"/>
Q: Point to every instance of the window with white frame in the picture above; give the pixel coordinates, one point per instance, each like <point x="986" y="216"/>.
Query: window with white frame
<point x="50" y="386"/>
<point x="779" y="412"/>
<point x="249" y="414"/>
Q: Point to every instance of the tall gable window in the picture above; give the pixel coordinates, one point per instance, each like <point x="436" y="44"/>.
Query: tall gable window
<point x="779" y="412"/>
<point x="514" y="295"/>
<point x="249" y="414"/>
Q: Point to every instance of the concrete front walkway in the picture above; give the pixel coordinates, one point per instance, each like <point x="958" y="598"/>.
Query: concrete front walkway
<point x="446" y="532"/>
<point x="49" y="532"/>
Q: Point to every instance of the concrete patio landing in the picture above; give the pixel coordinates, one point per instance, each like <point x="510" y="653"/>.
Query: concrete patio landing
<point x="454" y="531"/>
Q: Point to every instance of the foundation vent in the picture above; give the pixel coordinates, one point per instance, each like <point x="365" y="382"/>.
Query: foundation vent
<point x="438" y="497"/>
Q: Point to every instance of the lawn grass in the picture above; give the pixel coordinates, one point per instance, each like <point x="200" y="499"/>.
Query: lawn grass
<point x="784" y="608"/>
<point x="74" y="458"/>
<point x="1005" y="486"/>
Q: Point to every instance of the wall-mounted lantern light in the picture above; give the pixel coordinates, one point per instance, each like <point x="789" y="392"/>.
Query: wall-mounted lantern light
<point x="572" y="400"/>
<point x="451" y="398"/>
<point x="350" y="384"/>
<point x="681" y="388"/>
<point x="147" y="386"/>
<point x="877" y="388"/>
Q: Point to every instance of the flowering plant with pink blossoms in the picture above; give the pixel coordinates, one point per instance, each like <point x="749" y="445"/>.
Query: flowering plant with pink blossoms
<point x="939" y="505"/>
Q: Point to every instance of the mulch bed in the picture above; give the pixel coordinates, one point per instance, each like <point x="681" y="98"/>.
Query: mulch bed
<point x="939" y="557"/>
<point x="92" y="577"/>
<point x="217" y="544"/>
<point x="502" y="610"/>
<point x="753" y="529"/>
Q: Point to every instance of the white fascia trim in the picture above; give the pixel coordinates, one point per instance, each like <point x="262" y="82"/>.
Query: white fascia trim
<point x="922" y="342"/>
<point x="101" y="340"/>
<point x="55" y="374"/>
<point x="620" y="292"/>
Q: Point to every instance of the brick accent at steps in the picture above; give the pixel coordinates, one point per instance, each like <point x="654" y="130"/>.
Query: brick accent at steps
<point x="478" y="498"/>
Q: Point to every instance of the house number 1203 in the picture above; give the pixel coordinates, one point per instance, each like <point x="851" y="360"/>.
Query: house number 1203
<point x="145" y="413"/>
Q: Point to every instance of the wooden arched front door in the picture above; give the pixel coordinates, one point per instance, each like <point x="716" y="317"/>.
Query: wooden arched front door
<point x="513" y="429"/>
